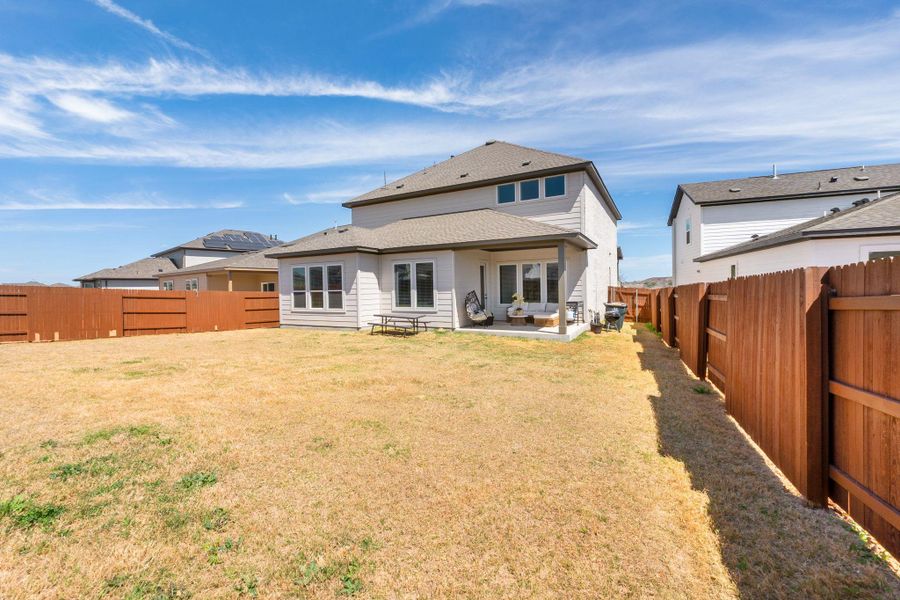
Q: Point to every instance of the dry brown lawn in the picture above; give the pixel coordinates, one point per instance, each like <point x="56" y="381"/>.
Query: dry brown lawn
<point x="281" y="463"/>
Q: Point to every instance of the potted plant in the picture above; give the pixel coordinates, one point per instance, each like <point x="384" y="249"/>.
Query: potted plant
<point x="596" y="323"/>
<point x="518" y="301"/>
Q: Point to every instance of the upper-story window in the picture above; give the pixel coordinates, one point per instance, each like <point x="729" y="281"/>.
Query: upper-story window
<point x="506" y="193"/>
<point x="687" y="231"/>
<point x="555" y="186"/>
<point x="529" y="190"/>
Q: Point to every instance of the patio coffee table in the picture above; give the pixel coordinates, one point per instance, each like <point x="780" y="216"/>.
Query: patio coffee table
<point x="517" y="319"/>
<point x="546" y="320"/>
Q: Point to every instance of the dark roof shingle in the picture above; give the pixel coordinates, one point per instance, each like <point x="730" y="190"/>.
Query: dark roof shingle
<point x="145" y="268"/>
<point x="482" y="226"/>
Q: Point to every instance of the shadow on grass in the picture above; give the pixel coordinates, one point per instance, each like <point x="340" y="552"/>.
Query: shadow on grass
<point x="772" y="542"/>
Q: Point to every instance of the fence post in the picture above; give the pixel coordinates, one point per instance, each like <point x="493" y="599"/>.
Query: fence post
<point x="669" y="317"/>
<point x="702" y="325"/>
<point x="816" y="341"/>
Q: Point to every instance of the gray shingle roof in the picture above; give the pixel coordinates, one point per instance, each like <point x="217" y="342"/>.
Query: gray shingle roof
<point x="146" y="268"/>
<point x="845" y="180"/>
<point x="248" y="261"/>
<point x="876" y="217"/>
<point x="484" y="226"/>
<point x="228" y="240"/>
<point x="493" y="162"/>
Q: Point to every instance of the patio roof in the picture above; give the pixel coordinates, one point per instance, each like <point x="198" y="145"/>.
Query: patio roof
<point x="483" y="228"/>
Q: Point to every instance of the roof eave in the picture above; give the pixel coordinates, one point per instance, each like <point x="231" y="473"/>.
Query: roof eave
<point x="676" y="204"/>
<point x="814" y="194"/>
<point x="585" y="165"/>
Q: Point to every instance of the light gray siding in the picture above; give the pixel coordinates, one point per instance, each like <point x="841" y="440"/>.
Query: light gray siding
<point x="602" y="262"/>
<point x="368" y="288"/>
<point x="345" y="318"/>
<point x="564" y="211"/>
<point x="442" y="315"/>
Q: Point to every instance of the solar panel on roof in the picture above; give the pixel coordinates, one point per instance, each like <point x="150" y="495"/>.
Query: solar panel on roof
<point x="214" y="243"/>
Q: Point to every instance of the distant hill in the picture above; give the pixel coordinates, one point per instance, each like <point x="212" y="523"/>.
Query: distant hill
<point x="38" y="283"/>
<point x="650" y="282"/>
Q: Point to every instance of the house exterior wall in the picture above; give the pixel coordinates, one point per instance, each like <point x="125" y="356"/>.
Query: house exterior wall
<point x="602" y="269"/>
<point x="346" y="317"/>
<point x="123" y="284"/>
<point x="192" y="258"/>
<point x="241" y="281"/>
<point x="443" y="314"/>
<point x="368" y="288"/>
<point x="809" y="253"/>
<point x="564" y="211"/>
<point x="715" y="228"/>
<point x="178" y="281"/>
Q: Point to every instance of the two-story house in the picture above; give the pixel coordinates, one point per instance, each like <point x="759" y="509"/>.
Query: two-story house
<point x="499" y="220"/>
<point x="727" y="228"/>
<point x="153" y="272"/>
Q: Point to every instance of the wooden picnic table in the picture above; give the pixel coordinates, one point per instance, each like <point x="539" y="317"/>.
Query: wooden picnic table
<point x="401" y="323"/>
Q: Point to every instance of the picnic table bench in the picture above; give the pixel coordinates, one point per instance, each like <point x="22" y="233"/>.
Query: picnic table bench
<point x="400" y="324"/>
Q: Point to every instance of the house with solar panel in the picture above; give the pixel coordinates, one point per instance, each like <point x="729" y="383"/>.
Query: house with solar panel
<point x="180" y="267"/>
<point x="754" y="225"/>
<point x="500" y="239"/>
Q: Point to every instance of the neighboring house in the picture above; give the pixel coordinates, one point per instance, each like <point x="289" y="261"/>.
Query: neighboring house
<point x="139" y="275"/>
<point x="248" y="272"/>
<point x="499" y="219"/>
<point x="867" y="231"/>
<point x="708" y="217"/>
<point x="143" y="273"/>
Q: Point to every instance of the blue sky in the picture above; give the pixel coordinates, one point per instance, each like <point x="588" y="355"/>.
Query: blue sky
<point x="128" y="126"/>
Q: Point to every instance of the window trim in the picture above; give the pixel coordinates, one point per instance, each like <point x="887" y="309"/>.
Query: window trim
<point x="542" y="190"/>
<point x="687" y="232"/>
<point x="544" y="186"/>
<point x="515" y="193"/>
<point x="539" y="191"/>
<point x="168" y="285"/>
<point x="192" y="284"/>
<point x="413" y="291"/>
<point x="543" y="262"/>
<point x="263" y="284"/>
<point x="324" y="291"/>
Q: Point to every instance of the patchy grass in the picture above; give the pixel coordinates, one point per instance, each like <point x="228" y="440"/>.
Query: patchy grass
<point x="278" y="463"/>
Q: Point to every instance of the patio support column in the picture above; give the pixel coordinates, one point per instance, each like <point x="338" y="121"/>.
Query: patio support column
<point x="561" y="285"/>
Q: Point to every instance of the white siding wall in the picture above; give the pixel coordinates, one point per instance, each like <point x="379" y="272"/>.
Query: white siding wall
<point x="128" y="284"/>
<point x="368" y="287"/>
<point x="347" y="317"/>
<point x="198" y="257"/>
<point x="466" y="264"/>
<point x="576" y="265"/>
<point x="684" y="269"/>
<point x="443" y="314"/>
<point x="602" y="262"/>
<point x="564" y="211"/>
<point x="731" y="224"/>
<point x="810" y="253"/>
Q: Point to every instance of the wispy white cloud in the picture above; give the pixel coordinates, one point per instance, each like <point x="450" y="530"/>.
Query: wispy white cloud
<point x="42" y="200"/>
<point x="92" y="109"/>
<point x="147" y="25"/>
<point x="62" y="227"/>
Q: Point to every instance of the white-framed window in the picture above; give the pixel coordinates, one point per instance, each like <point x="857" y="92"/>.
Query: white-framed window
<point x="506" y="193"/>
<point x="267" y="286"/>
<point x="414" y="285"/>
<point x="554" y="186"/>
<point x="733" y="273"/>
<point x="537" y="281"/>
<point x="191" y="285"/>
<point x="168" y="285"/>
<point x="529" y="189"/>
<point x="687" y="231"/>
<point x="317" y="287"/>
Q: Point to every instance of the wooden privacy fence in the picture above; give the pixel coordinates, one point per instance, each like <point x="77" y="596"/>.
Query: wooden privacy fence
<point x="637" y="302"/>
<point x="37" y="314"/>
<point x="809" y="363"/>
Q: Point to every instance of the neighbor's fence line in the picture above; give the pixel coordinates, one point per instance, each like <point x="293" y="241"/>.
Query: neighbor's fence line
<point x="36" y="314"/>
<point x="809" y="363"/>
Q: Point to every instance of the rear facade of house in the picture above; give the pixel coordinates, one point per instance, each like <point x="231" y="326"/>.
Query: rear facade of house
<point x="722" y="229"/>
<point x="498" y="220"/>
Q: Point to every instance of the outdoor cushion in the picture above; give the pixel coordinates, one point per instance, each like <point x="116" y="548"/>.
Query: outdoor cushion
<point x="551" y="307"/>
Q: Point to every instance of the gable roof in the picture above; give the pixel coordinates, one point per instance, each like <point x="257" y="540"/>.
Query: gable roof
<point x="145" y="268"/>
<point x="246" y="261"/>
<point x="491" y="163"/>
<point x="474" y="228"/>
<point x="846" y="180"/>
<point x="228" y="240"/>
<point x="877" y="217"/>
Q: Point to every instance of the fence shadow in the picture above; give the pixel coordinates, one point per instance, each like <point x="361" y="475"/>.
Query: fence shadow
<point x="772" y="542"/>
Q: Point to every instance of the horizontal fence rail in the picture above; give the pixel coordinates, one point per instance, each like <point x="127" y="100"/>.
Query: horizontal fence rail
<point x="809" y="364"/>
<point x="36" y="314"/>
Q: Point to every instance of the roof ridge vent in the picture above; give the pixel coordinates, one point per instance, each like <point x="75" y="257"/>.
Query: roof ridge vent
<point x="526" y="163"/>
<point x="466" y="174"/>
<point x="734" y="190"/>
<point x="833" y="179"/>
<point x="861" y="178"/>
<point x="860" y="202"/>
<point x="489" y="142"/>
<point x="835" y="210"/>
<point x="755" y="236"/>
